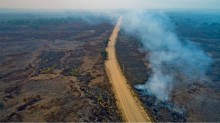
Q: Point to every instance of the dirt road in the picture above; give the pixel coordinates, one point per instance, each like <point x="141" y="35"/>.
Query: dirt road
<point x="131" y="109"/>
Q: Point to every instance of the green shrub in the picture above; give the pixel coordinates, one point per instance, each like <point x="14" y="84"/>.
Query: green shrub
<point x="106" y="42"/>
<point x="48" y="69"/>
<point x="104" y="55"/>
<point x="74" y="72"/>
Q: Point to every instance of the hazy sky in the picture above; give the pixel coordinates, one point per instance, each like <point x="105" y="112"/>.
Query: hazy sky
<point x="108" y="4"/>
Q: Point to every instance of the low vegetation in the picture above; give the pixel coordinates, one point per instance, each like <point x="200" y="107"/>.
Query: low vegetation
<point x="75" y="72"/>
<point x="48" y="70"/>
<point x="65" y="50"/>
<point x="1" y="105"/>
<point x="106" y="42"/>
<point x="104" y="55"/>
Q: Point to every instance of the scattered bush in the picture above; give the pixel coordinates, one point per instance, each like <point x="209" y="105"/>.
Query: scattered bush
<point x="74" y="72"/>
<point x="104" y="55"/>
<point x="48" y="70"/>
<point x="106" y="42"/>
<point x="1" y="105"/>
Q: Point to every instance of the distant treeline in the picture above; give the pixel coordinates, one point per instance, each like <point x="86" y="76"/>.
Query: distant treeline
<point x="37" y="20"/>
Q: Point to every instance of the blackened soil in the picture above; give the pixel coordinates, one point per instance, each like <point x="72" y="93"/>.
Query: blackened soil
<point x="52" y="70"/>
<point x="137" y="70"/>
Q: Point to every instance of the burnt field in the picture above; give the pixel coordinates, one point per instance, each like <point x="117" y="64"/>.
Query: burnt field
<point x="134" y="63"/>
<point x="189" y="101"/>
<point x="51" y="69"/>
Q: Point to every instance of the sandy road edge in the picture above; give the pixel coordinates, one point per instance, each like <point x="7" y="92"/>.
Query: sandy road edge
<point x="113" y="90"/>
<point x="137" y="100"/>
<point x="135" y="97"/>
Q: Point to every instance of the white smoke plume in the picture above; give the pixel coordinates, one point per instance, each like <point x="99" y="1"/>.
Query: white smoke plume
<point x="169" y="56"/>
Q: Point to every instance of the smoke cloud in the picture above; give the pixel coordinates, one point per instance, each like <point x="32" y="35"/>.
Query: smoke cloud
<point x="108" y="4"/>
<point x="170" y="58"/>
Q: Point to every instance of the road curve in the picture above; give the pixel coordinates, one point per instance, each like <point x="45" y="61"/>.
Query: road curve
<point x="129" y="106"/>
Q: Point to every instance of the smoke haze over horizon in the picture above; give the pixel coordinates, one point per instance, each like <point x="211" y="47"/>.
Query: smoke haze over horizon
<point x="173" y="62"/>
<point x="110" y="4"/>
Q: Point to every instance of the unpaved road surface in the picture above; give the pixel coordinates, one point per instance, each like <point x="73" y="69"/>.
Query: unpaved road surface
<point x="131" y="109"/>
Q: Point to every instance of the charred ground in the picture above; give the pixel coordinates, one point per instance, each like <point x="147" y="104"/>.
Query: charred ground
<point x="52" y="70"/>
<point x="191" y="101"/>
<point x="133" y="60"/>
